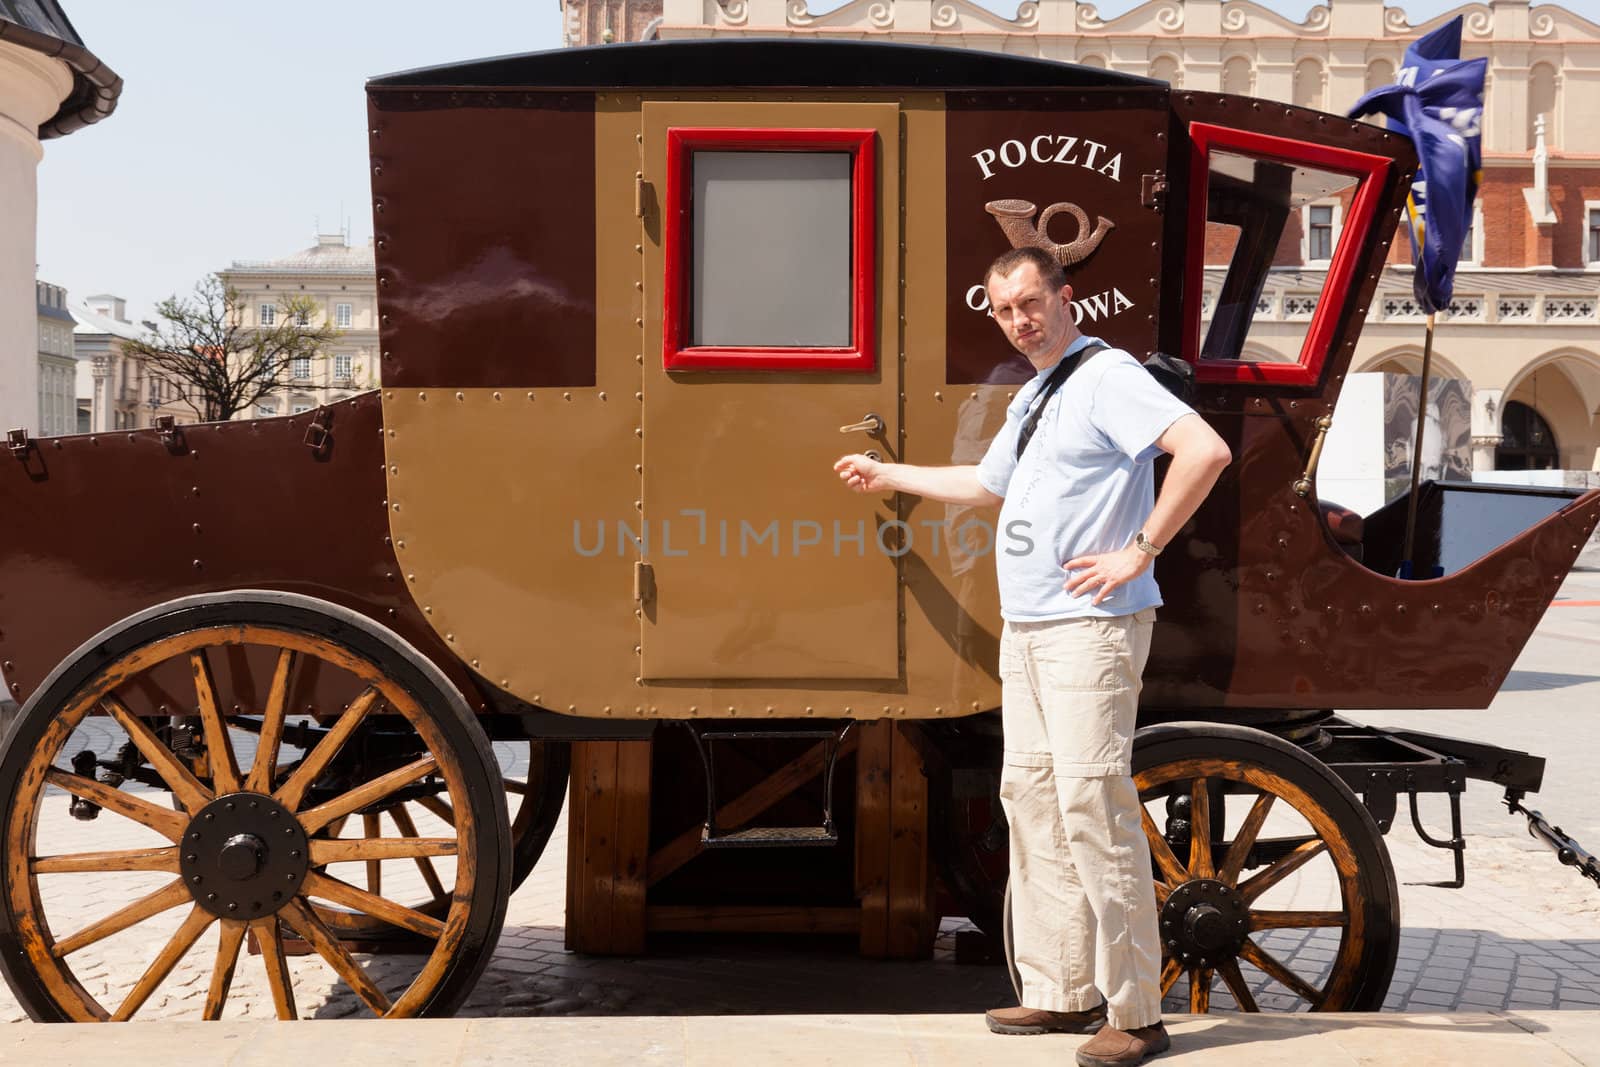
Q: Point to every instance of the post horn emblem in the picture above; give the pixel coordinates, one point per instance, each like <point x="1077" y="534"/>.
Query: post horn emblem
<point x="1016" y="219"/>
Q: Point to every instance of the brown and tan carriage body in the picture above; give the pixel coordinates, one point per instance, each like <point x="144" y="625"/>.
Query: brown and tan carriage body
<point x="634" y="303"/>
<point x="556" y="496"/>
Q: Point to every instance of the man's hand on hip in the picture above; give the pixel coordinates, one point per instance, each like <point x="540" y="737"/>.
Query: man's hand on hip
<point x="1102" y="574"/>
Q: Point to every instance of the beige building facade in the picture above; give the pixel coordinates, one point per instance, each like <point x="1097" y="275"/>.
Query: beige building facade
<point x="58" y="364"/>
<point x="125" y="393"/>
<point x="342" y="280"/>
<point x="1524" y="330"/>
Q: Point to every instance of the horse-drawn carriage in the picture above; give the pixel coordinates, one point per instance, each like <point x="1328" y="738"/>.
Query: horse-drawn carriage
<point x="320" y="682"/>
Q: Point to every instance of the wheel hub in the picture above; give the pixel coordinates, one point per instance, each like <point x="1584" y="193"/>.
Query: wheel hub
<point x="1204" y="922"/>
<point x="244" y="856"/>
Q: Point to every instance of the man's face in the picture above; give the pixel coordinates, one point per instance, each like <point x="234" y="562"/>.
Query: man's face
<point x="1037" y="320"/>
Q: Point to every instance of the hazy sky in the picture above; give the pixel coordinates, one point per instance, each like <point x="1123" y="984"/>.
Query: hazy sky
<point x="242" y="128"/>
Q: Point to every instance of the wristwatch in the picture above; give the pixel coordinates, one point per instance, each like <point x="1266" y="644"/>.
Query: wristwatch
<point x="1144" y="544"/>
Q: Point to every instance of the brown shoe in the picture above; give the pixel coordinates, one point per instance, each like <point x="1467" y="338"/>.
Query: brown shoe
<point x="1039" y="1021"/>
<point x="1123" y="1048"/>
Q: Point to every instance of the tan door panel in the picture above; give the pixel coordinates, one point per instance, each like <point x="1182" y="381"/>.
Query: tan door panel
<point x="763" y="567"/>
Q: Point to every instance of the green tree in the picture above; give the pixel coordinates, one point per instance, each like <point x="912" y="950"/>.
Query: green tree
<point x="220" y="365"/>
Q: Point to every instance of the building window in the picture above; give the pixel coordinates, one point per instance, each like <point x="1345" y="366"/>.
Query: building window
<point x="300" y="407"/>
<point x="1308" y="84"/>
<point x="266" y="411"/>
<point x="269" y="315"/>
<point x="342" y="316"/>
<point x="302" y="317"/>
<point x="1237" y="76"/>
<point x="342" y="363"/>
<point x="1591" y="244"/>
<point x="1319" y="233"/>
<point x="300" y="368"/>
<point x="1526" y="442"/>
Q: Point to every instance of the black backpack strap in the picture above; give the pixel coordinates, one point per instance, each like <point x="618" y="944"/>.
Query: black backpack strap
<point x="1063" y="371"/>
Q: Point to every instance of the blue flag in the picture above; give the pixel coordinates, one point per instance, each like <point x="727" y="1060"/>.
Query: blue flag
<point x="1437" y="101"/>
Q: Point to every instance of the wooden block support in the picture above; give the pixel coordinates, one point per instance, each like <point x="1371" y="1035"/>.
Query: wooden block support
<point x="894" y="873"/>
<point x="608" y="847"/>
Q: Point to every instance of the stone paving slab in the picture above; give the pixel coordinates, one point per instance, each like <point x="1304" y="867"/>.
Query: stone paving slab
<point x="1305" y="1040"/>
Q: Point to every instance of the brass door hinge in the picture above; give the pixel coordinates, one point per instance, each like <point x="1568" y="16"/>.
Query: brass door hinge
<point x="1153" y="191"/>
<point x="644" y="582"/>
<point x="641" y="195"/>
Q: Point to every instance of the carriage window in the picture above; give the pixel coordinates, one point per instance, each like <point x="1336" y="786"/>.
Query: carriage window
<point x="769" y="258"/>
<point x="1262" y="310"/>
<point x="766" y="225"/>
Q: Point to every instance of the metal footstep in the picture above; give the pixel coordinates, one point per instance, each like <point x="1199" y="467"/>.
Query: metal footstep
<point x="714" y="836"/>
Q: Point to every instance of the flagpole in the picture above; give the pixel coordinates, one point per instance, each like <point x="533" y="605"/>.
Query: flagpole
<point x="1416" y="453"/>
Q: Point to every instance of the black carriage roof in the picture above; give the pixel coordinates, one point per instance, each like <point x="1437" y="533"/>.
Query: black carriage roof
<point x="776" y="63"/>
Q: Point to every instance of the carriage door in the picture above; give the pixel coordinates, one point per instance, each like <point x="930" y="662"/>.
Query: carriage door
<point x="770" y="284"/>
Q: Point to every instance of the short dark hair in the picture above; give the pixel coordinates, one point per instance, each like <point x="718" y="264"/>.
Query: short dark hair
<point x="1050" y="271"/>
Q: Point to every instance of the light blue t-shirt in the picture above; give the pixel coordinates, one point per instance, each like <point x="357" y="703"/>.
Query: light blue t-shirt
<point x="1085" y="485"/>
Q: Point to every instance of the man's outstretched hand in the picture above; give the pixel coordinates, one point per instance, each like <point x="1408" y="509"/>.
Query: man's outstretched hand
<point x="862" y="474"/>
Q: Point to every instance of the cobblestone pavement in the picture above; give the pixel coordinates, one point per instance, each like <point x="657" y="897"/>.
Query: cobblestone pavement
<point x="1523" y="934"/>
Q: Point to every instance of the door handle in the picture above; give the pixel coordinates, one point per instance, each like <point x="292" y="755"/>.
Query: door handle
<point x="871" y="423"/>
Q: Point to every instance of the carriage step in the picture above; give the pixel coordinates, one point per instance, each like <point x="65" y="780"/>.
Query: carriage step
<point x="733" y="734"/>
<point x="822" y="744"/>
<point x="770" y="837"/>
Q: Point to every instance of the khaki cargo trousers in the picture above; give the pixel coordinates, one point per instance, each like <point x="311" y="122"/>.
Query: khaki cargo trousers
<point x="1083" y="908"/>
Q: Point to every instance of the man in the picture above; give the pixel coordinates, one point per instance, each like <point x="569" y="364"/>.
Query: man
<point x="1079" y="529"/>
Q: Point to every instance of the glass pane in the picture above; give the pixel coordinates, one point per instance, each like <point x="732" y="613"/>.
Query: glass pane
<point x="1252" y="227"/>
<point x="771" y="249"/>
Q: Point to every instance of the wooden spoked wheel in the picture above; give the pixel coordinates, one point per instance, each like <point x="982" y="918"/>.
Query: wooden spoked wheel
<point x="1258" y="850"/>
<point x="103" y="915"/>
<point x="533" y="775"/>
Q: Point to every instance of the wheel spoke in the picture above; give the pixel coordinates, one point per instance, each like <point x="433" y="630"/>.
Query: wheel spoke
<point x="1237" y="985"/>
<point x="184" y="785"/>
<point x="270" y="938"/>
<point x="1200" y="830"/>
<point x="402" y="820"/>
<point x="1280" y="869"/>
<point x="372" y="831"/>
<point x="304" y="921"/>
<point x="1274" y="968"/>
<point x="1296" y="920"/>
<point x="164" y="821"/>
<point x="265" y="767"/>
<point x="1233" y="862"/>
<point x="350" y="896"/>
<point x="173" y="951"/>
<point x="518" y="788"/>
<point x="439" y="808"/>
<point x="292" y="792"/>
<point x="368" y="793"/>
<point x="227" y="959"/>
<point x="167" y="897"/>
<point x="1171" y="869"/>
<point x="1170" y="970"/>
<point x="1200" y="990"/>
<point x="346" y="850"/>
<point x="219" y="750"/>
<point x="128" y="859"/>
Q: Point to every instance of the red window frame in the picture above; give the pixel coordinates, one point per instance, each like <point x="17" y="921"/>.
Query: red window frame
<point x="1370" y="169"/>
<point x="678" y="251"/>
